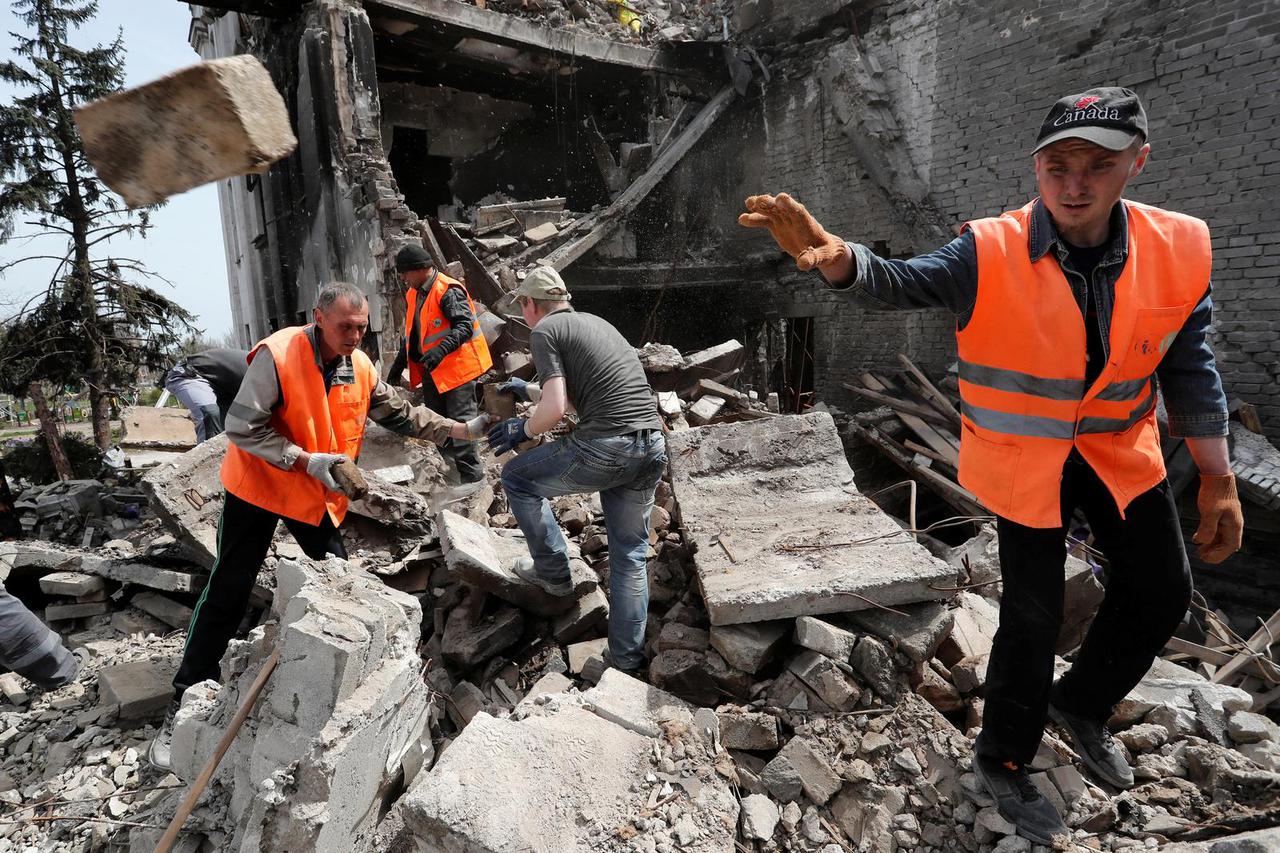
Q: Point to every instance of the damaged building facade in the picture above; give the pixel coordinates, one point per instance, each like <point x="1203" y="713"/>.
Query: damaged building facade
<point x="895" y="122"/>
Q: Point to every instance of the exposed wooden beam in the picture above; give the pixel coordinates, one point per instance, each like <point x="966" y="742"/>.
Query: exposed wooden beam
<point x="511" y="29"/>
<point x="611" y="217"/>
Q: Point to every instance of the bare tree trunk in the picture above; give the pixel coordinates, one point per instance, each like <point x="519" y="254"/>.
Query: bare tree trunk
<point x="100" y="412"/>
<point x="50" y="429"/>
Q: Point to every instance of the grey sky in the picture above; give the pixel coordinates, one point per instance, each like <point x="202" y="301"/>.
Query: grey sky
<point x="185" y="243"/>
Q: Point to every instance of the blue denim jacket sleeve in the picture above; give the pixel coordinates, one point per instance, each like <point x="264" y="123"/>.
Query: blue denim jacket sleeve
<point x="1190" y="382"/>
<point x="946" y="278"/>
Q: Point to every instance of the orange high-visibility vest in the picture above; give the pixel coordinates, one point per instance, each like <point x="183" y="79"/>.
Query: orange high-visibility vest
<point x="459" y="367"/>
<point x="315" y="421"/>
<point x="1022" y="364"/>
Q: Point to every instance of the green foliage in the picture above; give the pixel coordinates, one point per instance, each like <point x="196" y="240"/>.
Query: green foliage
<point x="29" y="458"/>
<point x="96" y="323"/>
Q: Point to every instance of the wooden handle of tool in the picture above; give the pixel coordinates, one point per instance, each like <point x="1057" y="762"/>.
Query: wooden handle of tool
<point x="242" y="713"/>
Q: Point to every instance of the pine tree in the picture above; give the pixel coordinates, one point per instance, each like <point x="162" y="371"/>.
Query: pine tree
<point x="95" y="323"/>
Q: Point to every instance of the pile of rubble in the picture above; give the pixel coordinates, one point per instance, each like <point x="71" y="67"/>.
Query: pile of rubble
<point x="641" y="21"/>
<point x="80" y="512"/>
<point x="815" y="680"/>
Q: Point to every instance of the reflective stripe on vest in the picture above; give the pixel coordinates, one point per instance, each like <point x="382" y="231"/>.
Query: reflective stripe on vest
<point x="1025" y="403"/>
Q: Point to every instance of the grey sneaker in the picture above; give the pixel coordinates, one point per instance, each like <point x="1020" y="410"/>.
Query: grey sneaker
<point x="524" y="569"/>
<point x="1095" y="746"/>
<point x="160" y="752"/>
<point x="1019" y="801"/>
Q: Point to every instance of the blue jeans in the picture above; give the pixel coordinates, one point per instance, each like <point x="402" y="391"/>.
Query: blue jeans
<point x="625" y="470"/>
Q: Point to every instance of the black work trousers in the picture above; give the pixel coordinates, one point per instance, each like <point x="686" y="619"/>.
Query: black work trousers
<point x="244" y="537"/>
<point x="460" y="405"/>
<point x="1147" y="594"/>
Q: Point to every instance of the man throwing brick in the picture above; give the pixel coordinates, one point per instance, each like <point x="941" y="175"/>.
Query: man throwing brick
<point x="295" y="426"/>
<point x="1070" y="311"/>
<point x="616" y="450"/>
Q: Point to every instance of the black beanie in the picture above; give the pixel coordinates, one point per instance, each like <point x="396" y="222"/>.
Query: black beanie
<point x="413" y="258"/>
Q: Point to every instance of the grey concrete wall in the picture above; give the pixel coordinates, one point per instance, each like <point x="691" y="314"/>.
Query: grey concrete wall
<point x="966" y="84"/>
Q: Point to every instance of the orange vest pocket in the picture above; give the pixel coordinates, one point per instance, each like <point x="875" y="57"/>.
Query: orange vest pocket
<point x="980" y="459"/>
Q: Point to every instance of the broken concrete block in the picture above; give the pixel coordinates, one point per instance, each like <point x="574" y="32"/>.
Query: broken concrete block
<point x="759" y="817"/>
<point x="790" y="693"/>
<point x="634" y="705"/>
<point x="750" y="646"/>
<point x="552" y="682"/>
<point x="477" y="556"/>
<point x="541" y="233"/>
<point x="686" y="675"/>
<point x="471" y="638"/>
<point x="939" y="692"/>
<point x="213" y="120"/>
<point x="142" y="688"/>
<point x="131" y="621"/>
<point x="1081" y="596"/>
<point x="1166" y="683"/>
<point x="973" y="630"/>
<point x="827" y="680"/>
<point x="465" y="701"/>
<point x="75" y="610"/>
<point x="507" y="785"/>
<point x="781" y="492"/>
<point x="580" y="652"/>
<point x="824" y="638"/>
<point x="970" y="674"/>
<point x="71" y="584"/>
<point x="748" y="730"/>
<point x="918" y="633"/>
<point x="705" y="409"/>
<point x="142" y="574"/>
<point x="587" y="612"/>
<point x="800" y="767"/>
<point x="11" y="687"/>
<point x="677" y="636"/>
<point x="874" y="663"/>
<point x="1247" y="727"/>
<point x="172" y="613"/>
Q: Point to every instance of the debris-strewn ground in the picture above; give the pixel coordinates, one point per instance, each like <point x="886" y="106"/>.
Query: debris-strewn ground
<point x="838" y="729"/>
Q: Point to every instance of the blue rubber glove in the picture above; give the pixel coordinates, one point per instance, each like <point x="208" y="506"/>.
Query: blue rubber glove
<point x="516" y="387"/>
<point x="505" y="436"/>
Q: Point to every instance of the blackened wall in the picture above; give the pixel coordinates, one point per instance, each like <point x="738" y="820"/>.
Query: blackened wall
<point x="950" y="95"/>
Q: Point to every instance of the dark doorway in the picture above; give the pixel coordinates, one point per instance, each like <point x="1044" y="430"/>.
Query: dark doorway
<point x="797" y="380"/>
<point x="423" y="179"/>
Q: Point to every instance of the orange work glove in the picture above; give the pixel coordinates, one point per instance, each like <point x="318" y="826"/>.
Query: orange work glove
<point x="1221" y="521"/>
<point x="794" y="228"/>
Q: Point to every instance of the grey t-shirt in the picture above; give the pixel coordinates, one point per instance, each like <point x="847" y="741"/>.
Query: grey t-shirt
<point x="601" y="371"/>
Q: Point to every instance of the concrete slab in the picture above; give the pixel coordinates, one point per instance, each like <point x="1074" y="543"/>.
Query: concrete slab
<point x="774" y="512"/>
<point x="634" y="705"/>
<point x="142" y="145"/>
<point x="478" y="557"/>
<point x="172" y="613"/>
<point x="919" y="633"/>
<point x="158" y="429"/>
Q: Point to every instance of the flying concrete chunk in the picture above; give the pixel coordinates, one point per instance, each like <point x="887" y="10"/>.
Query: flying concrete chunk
<point x="210" y="121"/>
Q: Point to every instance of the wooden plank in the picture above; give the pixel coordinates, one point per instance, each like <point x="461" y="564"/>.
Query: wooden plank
<point x="903" y="408"/>
<point x="926" y="433"/>
<point x="953" y="495"/>
<point x="930" y="390"/>
<point x="931" y="454"/>
<point x="1263" y="638"/>
<point x="432" y="246"/>
<point x="611" y="217"/>
<point x="1266" y="700"/>
<point x="1217" y="657"/>
<point x="935" y="432"/>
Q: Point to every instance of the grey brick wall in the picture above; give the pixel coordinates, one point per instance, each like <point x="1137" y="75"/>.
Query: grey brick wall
<point x="968" y="83"/>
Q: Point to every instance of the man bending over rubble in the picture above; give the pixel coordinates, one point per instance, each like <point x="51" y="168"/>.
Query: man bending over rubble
<point x="1062" y="336"/>
<point x="295" y="431"/>
<point x="617" y="450"/>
